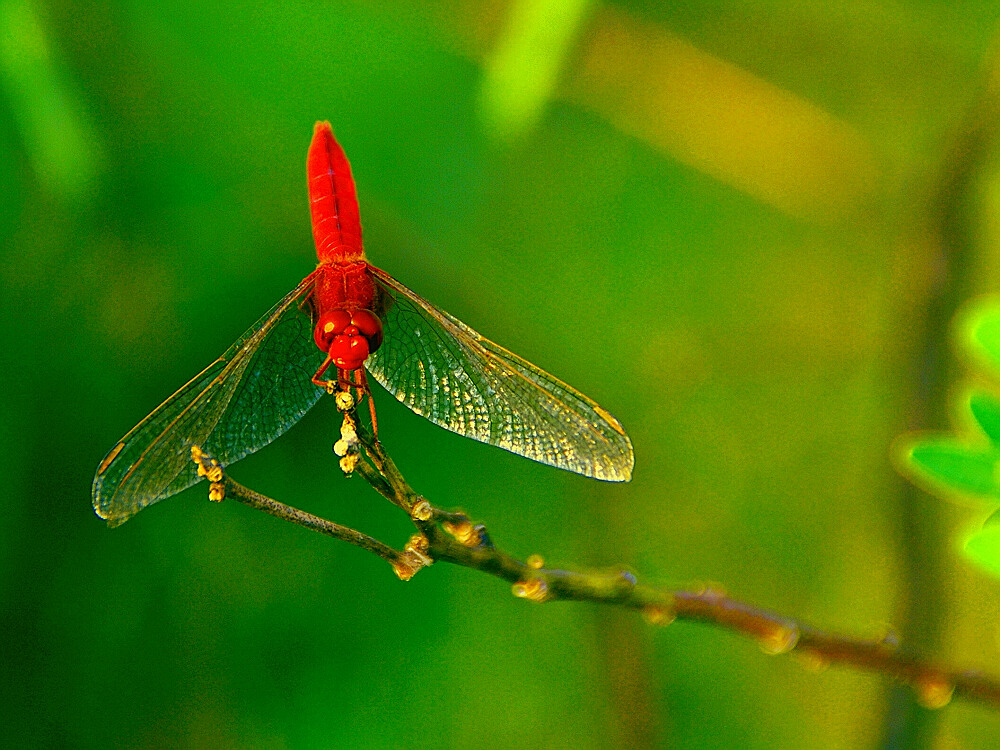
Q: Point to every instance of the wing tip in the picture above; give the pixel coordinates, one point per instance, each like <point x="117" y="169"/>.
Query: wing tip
<point x="616" y="473"/>
<point x="104" y="507"/>
<point x="621" y="457"/>
<point x="626" y="476"/>
<point x="114" y="516"/>
<point x="115" y="521"/>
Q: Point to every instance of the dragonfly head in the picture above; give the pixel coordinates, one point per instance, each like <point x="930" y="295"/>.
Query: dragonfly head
<point x="348" y="336"/>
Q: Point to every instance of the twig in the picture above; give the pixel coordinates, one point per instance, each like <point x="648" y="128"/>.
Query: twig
<point x="452" y="537"/>
<point x="457" y="540"/>
<point x="404" y="563"/>
<point x="247" y="496"/>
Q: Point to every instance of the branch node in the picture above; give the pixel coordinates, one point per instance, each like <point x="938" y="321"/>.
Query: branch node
<point x="349" y="431"/>
<point x="348" y="445"/>
<point x="465" y="533"/>
<point x="349" y="463"/>
<point x="413" y="557"/>
<point x="534" y="590"/>
<point x="207" y="466"/>
<point x="934" y="691"/>
<point x="344" y="401"/>
<point x="422" y="511"/>
<point x="659" y="614"/>
<point x="779" y="639"/>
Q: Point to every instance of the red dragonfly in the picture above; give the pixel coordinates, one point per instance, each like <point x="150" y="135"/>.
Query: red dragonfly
<point x="350" y="317"/>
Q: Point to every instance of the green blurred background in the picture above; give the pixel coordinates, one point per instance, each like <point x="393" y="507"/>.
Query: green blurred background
<point x="740" y="226"/>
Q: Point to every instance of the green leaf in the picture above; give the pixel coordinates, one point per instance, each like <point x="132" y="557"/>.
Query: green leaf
<point x="982" y="332"/>
<point x="986" y="410"/>
<point x="983" y="548"/>
<point x="950" y="467"/>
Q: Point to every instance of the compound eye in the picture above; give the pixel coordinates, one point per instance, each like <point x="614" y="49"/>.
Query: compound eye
<point x="330" y="324"/>
<point x="370" y="327"/>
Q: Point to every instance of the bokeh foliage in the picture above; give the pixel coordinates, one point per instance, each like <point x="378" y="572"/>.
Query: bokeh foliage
<point x="710" y="217"/>
<point x="966" y="467"/>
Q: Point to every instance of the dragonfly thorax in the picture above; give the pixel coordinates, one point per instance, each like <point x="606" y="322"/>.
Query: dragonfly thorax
<point x="348" y="337"/>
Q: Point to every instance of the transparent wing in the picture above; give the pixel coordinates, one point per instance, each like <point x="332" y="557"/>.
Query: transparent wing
<point x="448" y="373"/>
<point x="241" y="402"/>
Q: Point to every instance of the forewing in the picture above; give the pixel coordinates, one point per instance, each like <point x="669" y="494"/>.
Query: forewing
<point x="448" y="373"/>
<point x="241" y="402"/>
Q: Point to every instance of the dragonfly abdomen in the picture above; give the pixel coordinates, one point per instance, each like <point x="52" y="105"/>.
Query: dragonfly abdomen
<point x="333" y="200"/>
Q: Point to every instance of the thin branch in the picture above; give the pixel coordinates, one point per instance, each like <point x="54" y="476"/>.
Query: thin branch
<point x="455" y="541"/>
<point x="245" y="495"/>
<point x="404" y="563"/>
<point x="446" y="536"/>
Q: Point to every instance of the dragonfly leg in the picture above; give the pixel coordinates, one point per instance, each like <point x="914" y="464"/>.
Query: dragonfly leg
<point x="329" y="385"/>
<point x="344" y="382"/>
<point x="361" y="383"/>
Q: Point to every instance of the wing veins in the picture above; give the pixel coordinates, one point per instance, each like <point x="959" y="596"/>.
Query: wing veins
<point x="245" y="350"/>
<point x="562" y="426"/>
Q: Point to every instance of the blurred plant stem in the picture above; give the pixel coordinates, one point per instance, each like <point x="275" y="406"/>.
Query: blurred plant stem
<point x="57" y="135"/>
<point x="628" y="664"/>
<point x="522" y="72"/>
<point x="444" y="536"/>
<point x="948" y="232"/>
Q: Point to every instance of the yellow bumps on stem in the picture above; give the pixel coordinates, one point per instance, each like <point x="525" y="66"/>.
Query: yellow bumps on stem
<point x="413" y="558"/>
<point x="934" y="691"/>
<point x="537" y="562"/>
<point x="348" y="432"/>
<point x="344" y="400"/>
<point x="464" y="533"/>
<point x="347" y="446"/>
<point x="659" y="614"/>
<point x="534" y="589"/>
<point x="419" y="545"/>
<point x="780" y="639"/>
<point x="422" y="511"/>
<point x="403" y="570"/>
<point x="217" y="492"/>
<point x="207" y="466"/>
